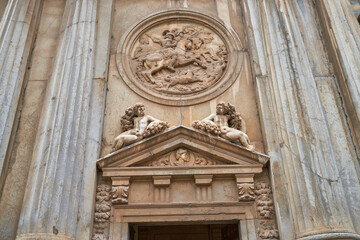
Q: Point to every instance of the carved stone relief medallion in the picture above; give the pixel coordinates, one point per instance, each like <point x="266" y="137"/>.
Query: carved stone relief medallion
<point x="179" y="57"/>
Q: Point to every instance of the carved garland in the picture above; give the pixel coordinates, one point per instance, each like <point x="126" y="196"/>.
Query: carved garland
<point x="105" y="196"/>
<point x="265" y="211"/>
<point x="102" y="212"/>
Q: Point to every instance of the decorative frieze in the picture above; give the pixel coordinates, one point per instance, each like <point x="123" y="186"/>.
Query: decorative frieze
<point x="204" y="188"/>
<point x="162" y="191"/>
<point x="182" y="157"/>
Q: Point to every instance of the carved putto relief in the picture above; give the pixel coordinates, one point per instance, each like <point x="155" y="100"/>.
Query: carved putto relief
<point x="225" y="123"/>
<point x="136" y="126"/>
<point x="182" y="157"/>
<point x="179" y="58"/>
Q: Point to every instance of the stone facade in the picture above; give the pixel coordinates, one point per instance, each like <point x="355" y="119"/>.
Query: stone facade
<point x="119" y="112"/>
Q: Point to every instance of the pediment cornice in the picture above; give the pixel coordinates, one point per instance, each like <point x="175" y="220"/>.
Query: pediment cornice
<point x="212" y="148"/>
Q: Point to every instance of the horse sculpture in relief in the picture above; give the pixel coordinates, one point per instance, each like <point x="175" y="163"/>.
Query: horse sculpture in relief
<point x="179" y="59"/>
<point x="170" y="59"/>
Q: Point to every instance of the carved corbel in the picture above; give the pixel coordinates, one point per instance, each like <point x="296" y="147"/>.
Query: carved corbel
<point x="246" y="191"/>
<point x="120" y="190"/>
<point x="245" y="184"/>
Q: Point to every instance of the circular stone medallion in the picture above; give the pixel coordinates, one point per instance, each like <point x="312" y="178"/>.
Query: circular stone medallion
<point x="179" y="58"/>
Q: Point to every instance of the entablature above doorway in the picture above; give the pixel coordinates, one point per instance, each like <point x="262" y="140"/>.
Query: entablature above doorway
<point x="182" y="160"/>
<point x="182" y="175"/>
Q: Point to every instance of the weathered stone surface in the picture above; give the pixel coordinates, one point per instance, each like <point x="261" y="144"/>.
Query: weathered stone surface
<point x="53" y="194"/>
<point x="163" y="190"/>
<point x="309" y="183"/>
<point x="15" y="183"/>
<point x="17" y="28"/>
<point x="342" y="38"/>
<point x="295" y="85"/>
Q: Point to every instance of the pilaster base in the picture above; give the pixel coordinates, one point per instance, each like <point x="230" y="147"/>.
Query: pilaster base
<point x="42" y="236"/>
<point x="331" y="235"/>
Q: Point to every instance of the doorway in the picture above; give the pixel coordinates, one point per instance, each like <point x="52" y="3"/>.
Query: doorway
<point x="185" y="232"/>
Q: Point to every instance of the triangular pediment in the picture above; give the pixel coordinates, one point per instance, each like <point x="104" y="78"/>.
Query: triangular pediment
<point x="165" y="149"/>
<point x="181" y="157"/>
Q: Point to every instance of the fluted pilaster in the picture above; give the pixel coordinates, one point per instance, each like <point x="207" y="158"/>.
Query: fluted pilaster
<point x="311" y="157"/>
<point x="16" y="37"/>
<point x="54" y="188"/>
<point x="342" y="32"/>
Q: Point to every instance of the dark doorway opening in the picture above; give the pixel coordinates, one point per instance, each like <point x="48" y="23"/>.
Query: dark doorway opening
<point x="185" y="232"/>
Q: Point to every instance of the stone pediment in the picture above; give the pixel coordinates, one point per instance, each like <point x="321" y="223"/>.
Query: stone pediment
<point x="182" y="165"/>
<point x="182" y="146"/>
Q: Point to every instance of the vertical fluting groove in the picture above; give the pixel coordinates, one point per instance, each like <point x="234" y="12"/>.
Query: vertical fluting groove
<point x="15" y="44"/>
<point x="317" y="195"/>
<point x="59" y="159"/>
<point x="323" y="153"/>
<point x="286" y="107"/>
<point x="280" y="114"/>
<point x="343" y="38"/>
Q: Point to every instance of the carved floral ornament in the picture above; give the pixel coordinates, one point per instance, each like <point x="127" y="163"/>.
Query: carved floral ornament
<point x="179" y="57"/>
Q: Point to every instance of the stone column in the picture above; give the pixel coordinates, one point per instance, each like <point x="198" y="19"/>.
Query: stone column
<point x="54" y="190"/>
<point x="342" y="35"/>
<point x="304" y="126"/>
<point x="17" y="29"/>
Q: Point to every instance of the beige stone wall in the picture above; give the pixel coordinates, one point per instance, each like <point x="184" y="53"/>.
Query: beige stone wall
<point x="298" y="92"/>
<point x="120" y="96"/>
